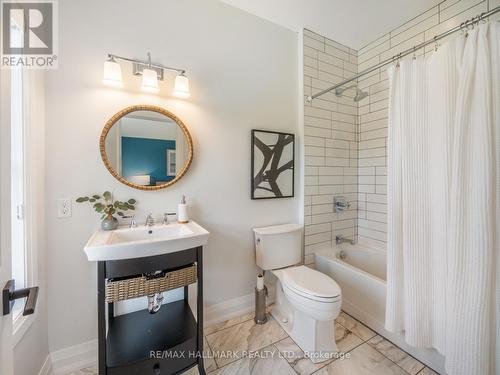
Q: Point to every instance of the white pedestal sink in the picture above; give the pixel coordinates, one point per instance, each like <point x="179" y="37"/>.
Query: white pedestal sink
<point x="127" y="243"/>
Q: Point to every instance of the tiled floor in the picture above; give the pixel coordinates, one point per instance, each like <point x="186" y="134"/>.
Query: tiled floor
<point x="271" y="351"/>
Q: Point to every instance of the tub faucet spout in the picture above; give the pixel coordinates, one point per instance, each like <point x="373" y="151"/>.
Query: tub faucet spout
<point x="340" y="239"/>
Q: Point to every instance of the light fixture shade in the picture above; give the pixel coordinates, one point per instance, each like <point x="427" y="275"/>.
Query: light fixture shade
<point x="150" y="81"/>
<point x="181" y="88"/>
<point x="112" y="75"/>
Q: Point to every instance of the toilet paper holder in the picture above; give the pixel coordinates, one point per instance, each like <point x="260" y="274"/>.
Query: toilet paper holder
<point x="260" y="301"/>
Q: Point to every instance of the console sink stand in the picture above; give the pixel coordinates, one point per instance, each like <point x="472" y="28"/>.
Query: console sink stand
<point x="140" y="343"/>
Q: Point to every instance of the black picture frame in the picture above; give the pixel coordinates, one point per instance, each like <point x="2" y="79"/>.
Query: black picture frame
<point x="270" y="152"/>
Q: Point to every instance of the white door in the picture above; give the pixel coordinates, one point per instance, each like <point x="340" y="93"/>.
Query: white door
<point x="6" y="337"/>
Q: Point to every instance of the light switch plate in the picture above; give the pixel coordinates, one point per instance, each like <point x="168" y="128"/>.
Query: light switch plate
<point x="64" y="207"/>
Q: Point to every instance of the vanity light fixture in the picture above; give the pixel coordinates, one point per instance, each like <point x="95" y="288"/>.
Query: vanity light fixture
<point x="150" y="81"/>
<point x="112" y="75"/>
<point x="151" y="74"/>
<point x="150" y="78"/>
<point x="181" y="88"/>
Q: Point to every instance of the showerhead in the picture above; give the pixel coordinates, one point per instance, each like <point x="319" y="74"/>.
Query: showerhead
<point x="360" y="95"/>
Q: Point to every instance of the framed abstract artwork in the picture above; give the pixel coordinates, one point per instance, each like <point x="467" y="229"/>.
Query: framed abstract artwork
<point x="273" y="164"/>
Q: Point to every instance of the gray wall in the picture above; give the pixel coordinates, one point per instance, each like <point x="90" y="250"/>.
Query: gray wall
<point x="244" y="75"/>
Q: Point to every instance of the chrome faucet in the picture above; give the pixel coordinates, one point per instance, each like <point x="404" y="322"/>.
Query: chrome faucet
<point x="133" y="222"/>
<point x="150" y="221"/>
<point x="339" y="239"/>
<point x="165" y="217"/>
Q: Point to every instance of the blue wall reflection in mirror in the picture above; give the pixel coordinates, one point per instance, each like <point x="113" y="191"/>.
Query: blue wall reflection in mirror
<point x="146" y="156"/>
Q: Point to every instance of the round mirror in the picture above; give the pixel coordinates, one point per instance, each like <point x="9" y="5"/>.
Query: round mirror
<point x="146" y="147"/>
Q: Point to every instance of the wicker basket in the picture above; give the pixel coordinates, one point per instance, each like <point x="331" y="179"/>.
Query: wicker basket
<point x="120" y="290"/>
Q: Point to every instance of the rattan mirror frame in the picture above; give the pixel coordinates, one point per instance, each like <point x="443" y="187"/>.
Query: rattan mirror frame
<point x="112" y="121"/>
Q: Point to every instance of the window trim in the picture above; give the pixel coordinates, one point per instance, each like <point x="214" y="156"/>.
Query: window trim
<point x="20" y="323"/>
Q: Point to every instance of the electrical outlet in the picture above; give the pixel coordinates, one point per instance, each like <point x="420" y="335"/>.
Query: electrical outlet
<point x="64" y="207"/>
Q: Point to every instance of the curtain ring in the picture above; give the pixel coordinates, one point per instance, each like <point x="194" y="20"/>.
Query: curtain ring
<point x="397" y="57"/>
<point x="465" y="28"/>
<point x="436" y="45"/>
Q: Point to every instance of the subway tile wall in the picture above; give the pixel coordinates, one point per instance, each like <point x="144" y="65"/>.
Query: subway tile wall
<point x="346" y="142"/>
<point x="330" y="143"/>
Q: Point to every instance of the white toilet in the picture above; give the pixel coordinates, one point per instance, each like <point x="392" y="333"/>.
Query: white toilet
<point x="307" y="301"/>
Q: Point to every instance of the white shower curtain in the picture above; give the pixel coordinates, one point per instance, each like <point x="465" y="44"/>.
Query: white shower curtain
<point x="443" y="282"/>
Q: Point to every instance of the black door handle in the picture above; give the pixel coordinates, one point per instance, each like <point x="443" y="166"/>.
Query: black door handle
<point x="10" y="294"/>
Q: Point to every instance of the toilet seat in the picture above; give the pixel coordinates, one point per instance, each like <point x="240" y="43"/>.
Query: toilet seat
<point x="311" y="284"/>
<point x="311" y="298"/>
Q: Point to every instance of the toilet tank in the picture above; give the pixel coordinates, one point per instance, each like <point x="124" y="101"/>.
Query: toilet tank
<point x="278" y="246"/>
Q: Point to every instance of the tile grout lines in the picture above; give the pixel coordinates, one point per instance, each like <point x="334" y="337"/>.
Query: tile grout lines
<point x="378" y="334"/>
<point x="363" y="341"/>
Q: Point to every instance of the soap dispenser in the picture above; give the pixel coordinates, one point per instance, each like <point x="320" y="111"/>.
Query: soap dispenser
<point x="182" y="214"/>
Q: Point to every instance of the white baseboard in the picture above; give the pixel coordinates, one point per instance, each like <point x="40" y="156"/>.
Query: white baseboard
<point x="229" y="309"/>
<point x="235" y="307"/>
<point x="47" y="367"/>
<point x="85" y="355"/>
<point x="74" y="358"/>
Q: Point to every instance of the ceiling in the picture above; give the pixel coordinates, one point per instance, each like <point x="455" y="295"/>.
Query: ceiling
<point x="350" y="22"/>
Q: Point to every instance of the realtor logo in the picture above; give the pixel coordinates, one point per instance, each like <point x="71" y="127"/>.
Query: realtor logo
<point x="29" y="38"/>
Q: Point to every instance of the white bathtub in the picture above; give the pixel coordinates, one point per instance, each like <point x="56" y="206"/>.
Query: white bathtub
<point x="361" y="275"/>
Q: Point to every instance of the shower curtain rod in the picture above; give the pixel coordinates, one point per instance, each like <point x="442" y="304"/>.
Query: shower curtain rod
<point x="409" y="51"/>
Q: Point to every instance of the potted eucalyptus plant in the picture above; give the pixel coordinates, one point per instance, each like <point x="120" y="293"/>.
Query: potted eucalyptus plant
<point x="108" y="207"/>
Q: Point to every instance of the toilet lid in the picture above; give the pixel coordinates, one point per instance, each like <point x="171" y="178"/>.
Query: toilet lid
<point x="311" y="282"/>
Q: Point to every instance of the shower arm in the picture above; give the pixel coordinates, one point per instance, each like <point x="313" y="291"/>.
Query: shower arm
<point x="339" y="91"/>
<point x="462" y="26"/>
